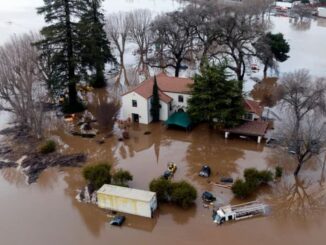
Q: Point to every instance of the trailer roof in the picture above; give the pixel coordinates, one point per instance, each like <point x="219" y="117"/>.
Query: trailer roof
<point x="124" y="192"/>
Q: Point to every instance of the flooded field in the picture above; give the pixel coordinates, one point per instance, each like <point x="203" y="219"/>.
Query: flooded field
<point x="47" y="212"/>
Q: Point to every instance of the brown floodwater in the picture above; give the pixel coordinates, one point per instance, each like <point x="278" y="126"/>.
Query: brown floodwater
<point x="47" y="212"/>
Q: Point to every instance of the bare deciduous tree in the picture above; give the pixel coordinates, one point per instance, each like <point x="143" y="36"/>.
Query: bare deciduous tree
<point x="21" y="82"/>
<point x="238" y="32"/>
<point x="117" y="28"/>
<point x="140" y="22"/>
<point x="303" y="131"/>
<point x="173" y="39"/>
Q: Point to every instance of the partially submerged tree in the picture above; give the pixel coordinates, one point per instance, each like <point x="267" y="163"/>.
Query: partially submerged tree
<point x="238" y="32"/>
<point x="98" y="175"/>
<point x="140" y="22"/>
<point x="122" y="177"/>
<point x="94" y="48"/>
<point x="61" y="45"/>
<point x="303" y="131"/>
<point x="21" y="83"/>
<point x="270" y="49"/>
<point x="155" y="102"/>
<point x="216" y="98"/>
<point x="173" y="39"/>
<point x="118" y="29"/>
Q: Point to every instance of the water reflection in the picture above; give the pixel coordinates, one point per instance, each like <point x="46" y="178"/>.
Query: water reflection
<point x="302" y="25"/>
<point x="299" y="200"/>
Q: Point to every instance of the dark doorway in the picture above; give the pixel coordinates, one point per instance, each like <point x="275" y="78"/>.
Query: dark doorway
<point x="181" y="110"/>
<point x="135" y="118"/>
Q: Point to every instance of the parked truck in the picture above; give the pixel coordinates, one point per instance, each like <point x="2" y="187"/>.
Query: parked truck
<point x="238" y="212"/>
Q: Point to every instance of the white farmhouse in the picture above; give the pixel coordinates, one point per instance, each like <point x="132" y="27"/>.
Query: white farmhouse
<point x="174" y="93"/>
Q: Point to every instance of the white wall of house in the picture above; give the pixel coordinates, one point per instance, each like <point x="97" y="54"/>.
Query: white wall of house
<point x="176" y="105"/>
<point x="164" y="111"/>
<point x="142" y="108"/>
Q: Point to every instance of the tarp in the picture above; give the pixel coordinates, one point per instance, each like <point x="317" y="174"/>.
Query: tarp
<point x="180" y="119"/>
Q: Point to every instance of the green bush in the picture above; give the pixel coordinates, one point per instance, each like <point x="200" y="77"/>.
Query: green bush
<point x="48" y="147"/>
<point x="180" y="193"/>
<point x="241" y="189"/>
<point x="162" y="187"/>
<point x="252" y="175"/>
<point x="278" y="172"/>
<point x="183" y="194"/>
<point x="98" y="174"/>
<point x="265" y="176"/>
<point x="253" y="180"/>
<point x="121" y="177"/>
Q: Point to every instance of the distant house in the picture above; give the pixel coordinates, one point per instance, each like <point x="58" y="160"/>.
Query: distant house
<point x="253" y="110"/>
<point x="254" y="125"/>
<point x="174" y="93"/>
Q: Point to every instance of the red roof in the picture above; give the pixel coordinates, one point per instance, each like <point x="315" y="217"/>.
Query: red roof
<point x="253" y="107"/>
<point x="251" y="128"/>
<point x="165" y="84"/>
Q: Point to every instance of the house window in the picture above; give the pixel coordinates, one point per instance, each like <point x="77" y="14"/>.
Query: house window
<point x="134" y="103"/>
<point x="180" y="98"/>
<point x="248" y="116"/>
<point x="170" y="106"/>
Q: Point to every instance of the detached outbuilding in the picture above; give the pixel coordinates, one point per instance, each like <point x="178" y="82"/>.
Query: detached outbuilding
<point x="127" y="200"/>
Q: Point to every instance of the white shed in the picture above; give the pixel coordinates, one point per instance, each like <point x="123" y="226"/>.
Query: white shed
<point x="127" y="200"/>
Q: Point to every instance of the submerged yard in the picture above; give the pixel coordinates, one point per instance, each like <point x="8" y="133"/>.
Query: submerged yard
<point x="46" y="212"/>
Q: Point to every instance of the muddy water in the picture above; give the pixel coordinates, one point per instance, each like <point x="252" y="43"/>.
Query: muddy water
<point x="47" y="213"/>
<point x="307" y="43"/>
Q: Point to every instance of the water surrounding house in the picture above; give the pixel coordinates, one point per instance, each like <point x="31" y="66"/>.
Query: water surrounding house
<point x="47" y="212"/>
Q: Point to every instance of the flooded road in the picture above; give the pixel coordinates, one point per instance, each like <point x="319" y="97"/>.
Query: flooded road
<point x="47" y="212"/>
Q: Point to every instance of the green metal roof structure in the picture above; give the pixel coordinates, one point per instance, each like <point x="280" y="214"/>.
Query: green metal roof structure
<point x="180" y="119"/>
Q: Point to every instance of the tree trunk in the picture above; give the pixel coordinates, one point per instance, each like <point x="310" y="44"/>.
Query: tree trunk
<point x="71" y="67"/>
<point x="265" y="71"/>
<point x="72" y="92"/>
<point x="177" y="68"/>
<point x="297" y="170"/>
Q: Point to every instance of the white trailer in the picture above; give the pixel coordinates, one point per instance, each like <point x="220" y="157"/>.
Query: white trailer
<point x="321" y="12"/>
<point x="127" y="200"/>
<point x="238" y="212"/>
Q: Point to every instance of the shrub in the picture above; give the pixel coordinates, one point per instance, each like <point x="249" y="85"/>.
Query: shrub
<point x="98" y="174"/>
<point x="278" y="172"/>
<point x="253" y="180"/>
<point x="252" y="175"/>
<point x="48" y="147"/>
<point x="162" y="187"/>
<point x="241" y="189"/>
<point x="265" y="176"/>
<point x="121" y="177"/>
<point x="183" y="194"/>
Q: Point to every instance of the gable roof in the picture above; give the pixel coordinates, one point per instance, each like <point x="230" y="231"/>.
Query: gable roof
<point x="165" y="84"/>
<point x="253" y="107"/>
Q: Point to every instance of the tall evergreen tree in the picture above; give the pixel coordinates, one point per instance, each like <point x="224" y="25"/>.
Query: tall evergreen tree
<point x="216" y="98"/>
<point x="95" y="50"/>
<point x="61" y="41"/>
<point x="155" y="110"/>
